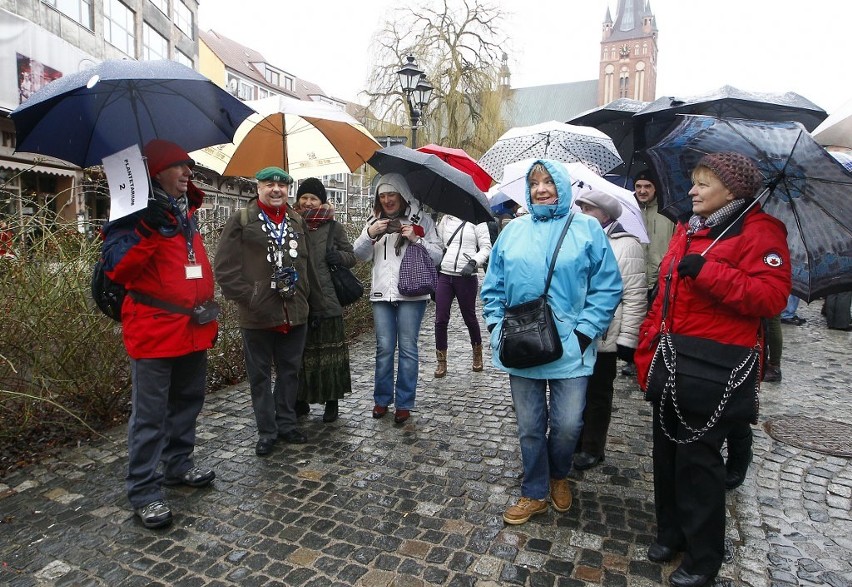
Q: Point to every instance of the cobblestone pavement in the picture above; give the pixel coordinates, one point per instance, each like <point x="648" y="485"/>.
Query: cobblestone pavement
<point x="369" y="503"/>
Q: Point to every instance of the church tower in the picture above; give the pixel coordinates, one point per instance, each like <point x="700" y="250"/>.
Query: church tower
<point x="628" y="53"/>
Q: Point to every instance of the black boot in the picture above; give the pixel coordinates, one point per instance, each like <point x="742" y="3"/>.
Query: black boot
<point x="303" y="408"/>
<point x="739" y="455"/>
<point x="330" y="414"/>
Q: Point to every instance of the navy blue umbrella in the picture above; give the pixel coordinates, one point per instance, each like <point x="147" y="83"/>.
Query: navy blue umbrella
<point x="435" y="182"/>
<point x="805" y="187"/>
<point x="85" y="116"/>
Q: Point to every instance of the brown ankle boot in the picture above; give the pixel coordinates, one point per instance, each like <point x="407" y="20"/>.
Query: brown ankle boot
<point x="477" y="357"/>
<point x="441" y="369"/>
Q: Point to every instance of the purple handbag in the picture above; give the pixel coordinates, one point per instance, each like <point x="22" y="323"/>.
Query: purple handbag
<point x="417" y="273"/>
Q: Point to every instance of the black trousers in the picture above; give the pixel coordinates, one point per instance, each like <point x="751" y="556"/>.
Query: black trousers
<point x="598" y="410"/>
<point x="689" y="490"/>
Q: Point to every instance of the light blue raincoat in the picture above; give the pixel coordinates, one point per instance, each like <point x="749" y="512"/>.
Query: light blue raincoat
<point x="586" y="284"/>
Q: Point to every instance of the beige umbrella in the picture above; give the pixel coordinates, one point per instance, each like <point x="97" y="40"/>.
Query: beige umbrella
<point x="305" y="138"/>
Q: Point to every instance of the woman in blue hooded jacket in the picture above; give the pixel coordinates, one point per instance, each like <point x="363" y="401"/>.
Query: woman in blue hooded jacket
<point x="584" y="291"/>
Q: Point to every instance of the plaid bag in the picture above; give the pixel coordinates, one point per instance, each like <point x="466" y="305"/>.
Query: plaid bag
<point x="417" y="273"/>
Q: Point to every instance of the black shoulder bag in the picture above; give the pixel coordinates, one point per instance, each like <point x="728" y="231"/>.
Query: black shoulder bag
<point x="703" y="378"/>
<point x="347" y="287"/>
<point x="529" y="336"/>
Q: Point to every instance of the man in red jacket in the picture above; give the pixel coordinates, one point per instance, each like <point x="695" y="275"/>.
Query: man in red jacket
<point x="168" y="324"/>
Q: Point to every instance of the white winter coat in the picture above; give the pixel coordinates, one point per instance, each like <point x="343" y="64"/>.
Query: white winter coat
<point x="382" y="252"/>
<point x="624" y="328"/>
<point x="470" y="242"/>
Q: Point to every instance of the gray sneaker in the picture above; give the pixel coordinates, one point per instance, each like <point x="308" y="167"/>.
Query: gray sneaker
<point x="155" y="515"/>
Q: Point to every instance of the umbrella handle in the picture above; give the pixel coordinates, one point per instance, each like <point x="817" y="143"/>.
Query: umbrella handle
<point x="765" y="191"/>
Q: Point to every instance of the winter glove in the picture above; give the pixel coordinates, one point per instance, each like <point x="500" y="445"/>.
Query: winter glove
<point x="155" y="217"/>
<point x="490" y="327"/>
<point x="625" y="353"/>
<point x="468" y="269"/>
<point x="314" y="321"/>
<point x="690" y="265"/>
<point x="333" y="257"/>
<point x="583" y="340"/>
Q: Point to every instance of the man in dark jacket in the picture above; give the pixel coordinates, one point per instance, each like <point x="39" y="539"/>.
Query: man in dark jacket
<point x="159" y="256"/>
<point x="263" y="263"/>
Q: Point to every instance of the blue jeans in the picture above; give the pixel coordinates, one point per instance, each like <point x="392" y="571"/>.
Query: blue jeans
<point x="397" y="323"/>
<point x="547" y="457"/>
<point x="792" y="306"/>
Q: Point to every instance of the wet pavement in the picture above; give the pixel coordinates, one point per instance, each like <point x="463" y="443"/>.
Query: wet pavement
<point x="369" y="503"/>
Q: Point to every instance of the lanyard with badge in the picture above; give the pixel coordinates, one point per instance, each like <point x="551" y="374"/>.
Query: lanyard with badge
<point x="192" y="268"/>
<point x="283" y="242"/>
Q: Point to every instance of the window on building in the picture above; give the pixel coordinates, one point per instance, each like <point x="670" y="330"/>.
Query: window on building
<point x="624" y="83"/>
<point x="263" y="93"/>
<point x="183" y="18"/>
<point x="288" y="83"/>
<point x="77" y="10"/>
<point x="163" y="5"/>
<point x="273" y="77"/>
<point x="183" y="58"/>
<point x="118" y="27"/>
<point x="245" y="91"/>
<point x="154" y="45"/>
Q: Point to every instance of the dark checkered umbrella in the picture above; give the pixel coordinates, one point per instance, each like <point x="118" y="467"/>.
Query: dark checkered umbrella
<point x="806" y="188"/>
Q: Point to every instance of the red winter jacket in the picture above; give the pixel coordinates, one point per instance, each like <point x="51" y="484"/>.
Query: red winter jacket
<point x="156" y="265"/>
<point x="746" y="277"/>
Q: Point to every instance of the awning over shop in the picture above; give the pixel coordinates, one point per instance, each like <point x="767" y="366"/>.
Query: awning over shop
<point x="37" y="168"/>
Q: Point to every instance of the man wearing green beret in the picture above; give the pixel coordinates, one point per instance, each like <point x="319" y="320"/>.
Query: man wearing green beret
<point x="263" y="263"/>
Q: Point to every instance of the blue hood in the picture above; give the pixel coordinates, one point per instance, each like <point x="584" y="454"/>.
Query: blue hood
<point x="563" y="190"/>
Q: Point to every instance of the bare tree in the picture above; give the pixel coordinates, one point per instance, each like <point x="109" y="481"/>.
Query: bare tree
<point x="459" y="44"/>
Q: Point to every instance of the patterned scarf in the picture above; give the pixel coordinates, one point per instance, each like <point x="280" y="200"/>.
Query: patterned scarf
<point x="718" y="217"/>
<point x="316" y="217"/>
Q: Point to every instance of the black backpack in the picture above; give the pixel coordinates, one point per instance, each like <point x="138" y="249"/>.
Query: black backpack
<point x="108" y="295"/>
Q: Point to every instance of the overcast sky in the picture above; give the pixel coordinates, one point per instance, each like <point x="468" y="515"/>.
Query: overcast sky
<point x="804" y="46"/>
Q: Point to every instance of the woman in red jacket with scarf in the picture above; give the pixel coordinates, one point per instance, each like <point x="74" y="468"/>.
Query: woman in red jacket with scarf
<point x="719" y="294"/>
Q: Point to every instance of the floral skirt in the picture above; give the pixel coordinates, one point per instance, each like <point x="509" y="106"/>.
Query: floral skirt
<point x="325" y="363"/>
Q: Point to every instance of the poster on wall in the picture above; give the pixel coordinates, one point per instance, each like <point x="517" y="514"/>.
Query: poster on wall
<point x="33" y="75"/>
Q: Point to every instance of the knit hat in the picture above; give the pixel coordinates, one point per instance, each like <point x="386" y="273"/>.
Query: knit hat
<point x="646" y="175"/>
<point x="273" y="174"/>
<point x="737" y="172"/>
<point x="386" y="188"/>
<point x="164" y="154"/>
<point x="610" y="206"/>
<point x="313" y="186"/>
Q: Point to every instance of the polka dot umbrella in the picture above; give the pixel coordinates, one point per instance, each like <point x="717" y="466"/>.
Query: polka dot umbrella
<point x="552" y="140"/>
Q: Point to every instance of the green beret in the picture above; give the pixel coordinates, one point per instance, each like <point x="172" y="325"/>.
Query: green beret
<point x="273" y="174"/>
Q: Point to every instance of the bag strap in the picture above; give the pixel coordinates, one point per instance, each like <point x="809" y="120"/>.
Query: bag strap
<point x="157" y="303"/>
<point x="329" y="241"/>
<point x="455" y="232"/>
<point x="556" y="253"/>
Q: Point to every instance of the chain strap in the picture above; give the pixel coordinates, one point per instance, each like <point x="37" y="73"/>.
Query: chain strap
<point x="738" y="376"/>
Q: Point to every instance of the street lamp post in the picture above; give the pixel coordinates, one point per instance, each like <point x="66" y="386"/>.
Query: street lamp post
<point x="417" y="90"/>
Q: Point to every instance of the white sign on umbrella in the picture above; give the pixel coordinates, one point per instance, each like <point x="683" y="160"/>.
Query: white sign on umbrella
<point x="514" y="186"/>
<point x="127" y="178"/>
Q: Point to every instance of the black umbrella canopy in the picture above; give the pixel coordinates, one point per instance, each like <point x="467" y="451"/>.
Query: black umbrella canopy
<point x="616" y="120"/>
<point x="654" y="121"/>
<point x="435" y="182"/>
<point x="87" y="115"/>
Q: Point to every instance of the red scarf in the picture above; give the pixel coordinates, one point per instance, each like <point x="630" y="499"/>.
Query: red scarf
<point x="316" y="217"/>
<point x="275" y="214"/>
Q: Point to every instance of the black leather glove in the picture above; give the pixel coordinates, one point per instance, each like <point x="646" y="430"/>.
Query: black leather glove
<point x="584" y="341"/>
<point x="490" y="327"/>
<point x="156" y="216"/>
<point x="625" y="353"/>
<point x="333" y="257"/>
<point x="690" y="265"/>
<point x="314" y="321"/>
<point x="468" y="269"/>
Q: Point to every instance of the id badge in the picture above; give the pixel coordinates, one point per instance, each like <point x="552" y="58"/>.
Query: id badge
<point x="193" y="271"/>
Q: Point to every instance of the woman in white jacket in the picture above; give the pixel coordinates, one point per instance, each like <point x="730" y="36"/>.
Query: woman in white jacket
<point x="395" y="224"/>
<point x="621" y="337"/>
<point x="467" y="247"/>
